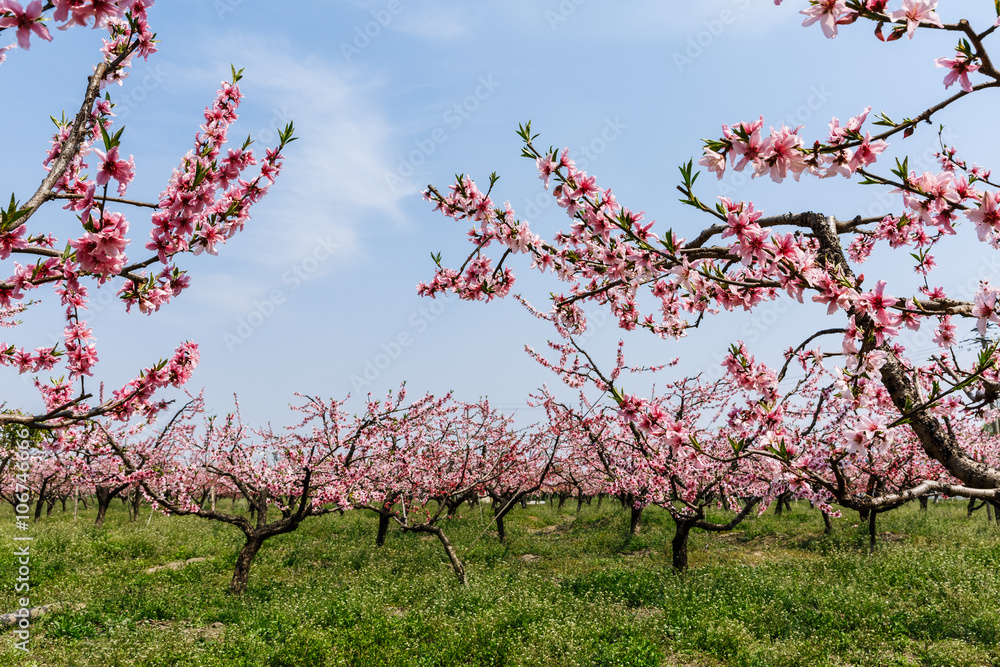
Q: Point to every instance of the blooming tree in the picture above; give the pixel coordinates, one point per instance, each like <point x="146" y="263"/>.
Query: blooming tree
<point x="651" y="278"/>
<point x="207" y="200"/>
<point x="419" y="469"/>
<point x="283" y="476"/>
<point x="688" y="467"/>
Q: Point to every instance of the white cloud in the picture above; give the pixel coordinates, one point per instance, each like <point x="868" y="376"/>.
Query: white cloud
<point x="333" y="179"/>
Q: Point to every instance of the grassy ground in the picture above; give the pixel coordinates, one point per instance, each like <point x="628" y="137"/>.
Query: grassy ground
<point x="569" y="590"/>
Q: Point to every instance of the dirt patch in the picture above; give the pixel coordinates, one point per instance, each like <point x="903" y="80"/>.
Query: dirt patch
<point x="176" y="565"/>
<point x="212" y="632"/>
<point x="209" y="633"/>
<point x="642" y="613"/>
<point x="893" y="537"/>
<point x="548" y="530"/>
<point x="34" y="612"/>
<point x="640" y="553"/>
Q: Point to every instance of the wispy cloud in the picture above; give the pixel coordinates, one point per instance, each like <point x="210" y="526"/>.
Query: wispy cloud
<point x="333" y="180"/>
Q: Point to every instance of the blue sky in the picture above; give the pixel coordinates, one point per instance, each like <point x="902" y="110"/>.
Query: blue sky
<point x="318" y="294"/>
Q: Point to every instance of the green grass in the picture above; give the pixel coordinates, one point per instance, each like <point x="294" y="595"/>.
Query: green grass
<point x="774" y="592"/>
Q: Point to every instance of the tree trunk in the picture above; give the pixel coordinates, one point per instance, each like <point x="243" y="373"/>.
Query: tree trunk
<point x="827" y="524"/>
<point x="562" y="500"/>
<point x="871" y="530"/>
<point x="48" y="507"/>
<point x="634" y="524"/>
<point x="923" y="502"/>
<point x="679" y="545"/>
<point x="600" y="499"/>
<point x="579" y="503"/>
<point x="783" y="502"/>
<point x="973" y="507"/>
<point x="937" y="441"/>
<point x="241" y="575"/>
<point x="40" y="502"/>
<point x="863" y="514"/>
<point x="63" y="499"/>
<point x="456" y="564"/>
<point x="104" y="499"/>
<point x="383" y="528"/>
<point x="502" y="505"/>
<point x="135" y="504"/>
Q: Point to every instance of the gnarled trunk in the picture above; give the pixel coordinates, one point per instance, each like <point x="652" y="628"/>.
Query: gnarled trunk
<point x="937" y="441"/>
<point x="501" y="529"/>
<point x="383" y="528"/>
<point x="104" y="498"/>
<point x="871" y="530"/>
<point x="241" y="574"/>
<point x="135" y="503"/>
<point x="679" y="544"/>
<point x="635" y="521"/>
<point x="782" y="502"/>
